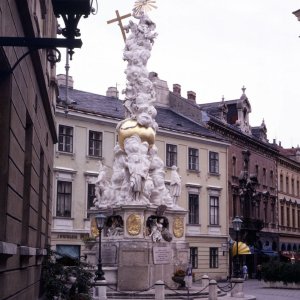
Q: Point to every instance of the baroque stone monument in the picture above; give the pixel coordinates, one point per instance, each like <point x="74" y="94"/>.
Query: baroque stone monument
<point x="144" y="237"/>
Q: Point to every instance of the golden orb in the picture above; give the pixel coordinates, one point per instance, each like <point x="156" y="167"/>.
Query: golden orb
<point x="131" y="127"/>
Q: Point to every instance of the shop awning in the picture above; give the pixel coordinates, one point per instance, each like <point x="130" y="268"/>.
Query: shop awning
<point x="242" y="249"/>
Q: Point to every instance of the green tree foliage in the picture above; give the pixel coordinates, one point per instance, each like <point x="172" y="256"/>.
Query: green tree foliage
<point x="281" y="271"/>
<point x="66" y="277"/>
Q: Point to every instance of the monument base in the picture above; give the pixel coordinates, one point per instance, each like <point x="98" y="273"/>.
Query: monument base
<point x="133" y="257"/>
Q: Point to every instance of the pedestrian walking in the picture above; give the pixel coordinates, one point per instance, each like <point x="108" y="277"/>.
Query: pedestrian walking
<point x="245" y="272"/>
<point x="258" y="272"/>
<point x="189" y="276"/>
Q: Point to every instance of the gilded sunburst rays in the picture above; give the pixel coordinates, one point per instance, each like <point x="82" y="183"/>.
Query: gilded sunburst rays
<point x="143" y="6"/>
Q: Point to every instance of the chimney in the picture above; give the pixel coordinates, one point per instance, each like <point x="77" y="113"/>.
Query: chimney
<point x="191" y="95"/>
<point x="112" y="92"/>
<point x="61" y="81"/>
<point x="177" y="89"/>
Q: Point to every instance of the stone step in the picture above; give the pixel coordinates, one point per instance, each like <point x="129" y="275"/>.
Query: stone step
<point x="176" y="294"/>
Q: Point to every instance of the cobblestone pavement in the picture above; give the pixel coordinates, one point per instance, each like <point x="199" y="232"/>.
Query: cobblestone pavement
<point x="256" y="288"/>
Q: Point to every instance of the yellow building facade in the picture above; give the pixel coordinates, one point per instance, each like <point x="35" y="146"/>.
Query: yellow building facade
<point x="87" y="134"/>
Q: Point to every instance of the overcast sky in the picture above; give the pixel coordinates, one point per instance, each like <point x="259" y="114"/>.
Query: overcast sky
<point x="212" y="47"/>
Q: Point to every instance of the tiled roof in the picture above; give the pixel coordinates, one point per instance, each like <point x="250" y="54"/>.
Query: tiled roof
<point x="112" y="107"/>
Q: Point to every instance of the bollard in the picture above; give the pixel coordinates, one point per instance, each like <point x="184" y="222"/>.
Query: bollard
<point x="159" y="290"/>
<point x="205" y="282"/>
<point x="212" y="294"/>
<point x="100" y="290"/>
<point x="238" y="289"/>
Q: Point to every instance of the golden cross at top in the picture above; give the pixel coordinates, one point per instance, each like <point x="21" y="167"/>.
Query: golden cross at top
<point x="119" y="20"/>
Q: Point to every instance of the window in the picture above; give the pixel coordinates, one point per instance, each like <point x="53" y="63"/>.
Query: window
<point x="234" y="166"/>
<point x="214" y="210"/>
<point x="256" y="170"/>
<point x="271" y="179"/>
<point x="287" y="188"/>
<point x="293" y="218"/>
<point x="95" y="143"/>
<point x="91" y="195"/>
<point x="281" y="183"/>
<point x="65" y="138"/>
<point x="234" y="201"/>
<point x="194" y="257"/>
<point x="171" y="155"/>
<point x="298" y="188"/>
<point x="273" y="212"/>
<point x="266" y="211"/>
<point x="213" y="258"/>
<point x="193" y="159"/>
<point x="264" y="176"/>
<point x="282" y="215"/>
<point x="214" y="162"/>
<point x="64" y="198"/>
<point x="293" y="186"/>
<point x="193" y="209"/>
<point x="288" y="217"/>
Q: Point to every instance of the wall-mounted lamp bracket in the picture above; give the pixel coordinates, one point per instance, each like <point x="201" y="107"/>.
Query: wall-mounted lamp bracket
<point x="33" y="44"/>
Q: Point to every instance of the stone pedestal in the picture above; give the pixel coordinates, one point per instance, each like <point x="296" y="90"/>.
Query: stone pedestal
<point x="99" y="292"/>
<point x="136" y="262"/>
<point x="238" y="289"/>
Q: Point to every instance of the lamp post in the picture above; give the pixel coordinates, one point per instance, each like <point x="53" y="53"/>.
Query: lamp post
<point x="237" y="225"/>
<point x="100" y="222"/>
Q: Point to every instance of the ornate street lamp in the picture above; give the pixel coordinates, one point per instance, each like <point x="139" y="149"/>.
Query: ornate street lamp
<point x="237" y="225"/>
<point x="100" y="222"/>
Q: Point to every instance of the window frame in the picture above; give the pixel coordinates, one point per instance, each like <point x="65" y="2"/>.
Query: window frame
<point x="171" y="155"/>
<point x="214" y="210"/>
<point x="281" y="182"/>
<point x="213" y="258"/>
<point x="193" y="203"/>
<point x="91" y="195"/>
<point x="193" y="159"/>
<point x="65" y="196"/>
<point x="214" y="162"/>
<point x="92" y="144"/>
<point x="62" y="144"/>
<point x="194" y="257"/>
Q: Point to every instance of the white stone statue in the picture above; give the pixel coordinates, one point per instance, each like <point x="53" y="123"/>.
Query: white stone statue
<point x="139" y="92"/>
<point x="115" y="229"/>
<point x="101" y="184"/>
<point x="138" y="165"/>
<point x="156" y="229"/>
<point x="160" y="194"/>
<point x="175" y="185"/>
<point x="138" y="175"/>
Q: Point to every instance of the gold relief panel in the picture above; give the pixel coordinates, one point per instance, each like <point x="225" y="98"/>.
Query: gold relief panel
<point x="94" y="229"/>
<point x="178" y="227"/>
<point x="134" y="224"/>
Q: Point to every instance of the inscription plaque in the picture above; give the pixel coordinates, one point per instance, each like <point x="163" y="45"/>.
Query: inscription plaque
<point x="109" y="254"/>
<point x="162" y="255"/>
